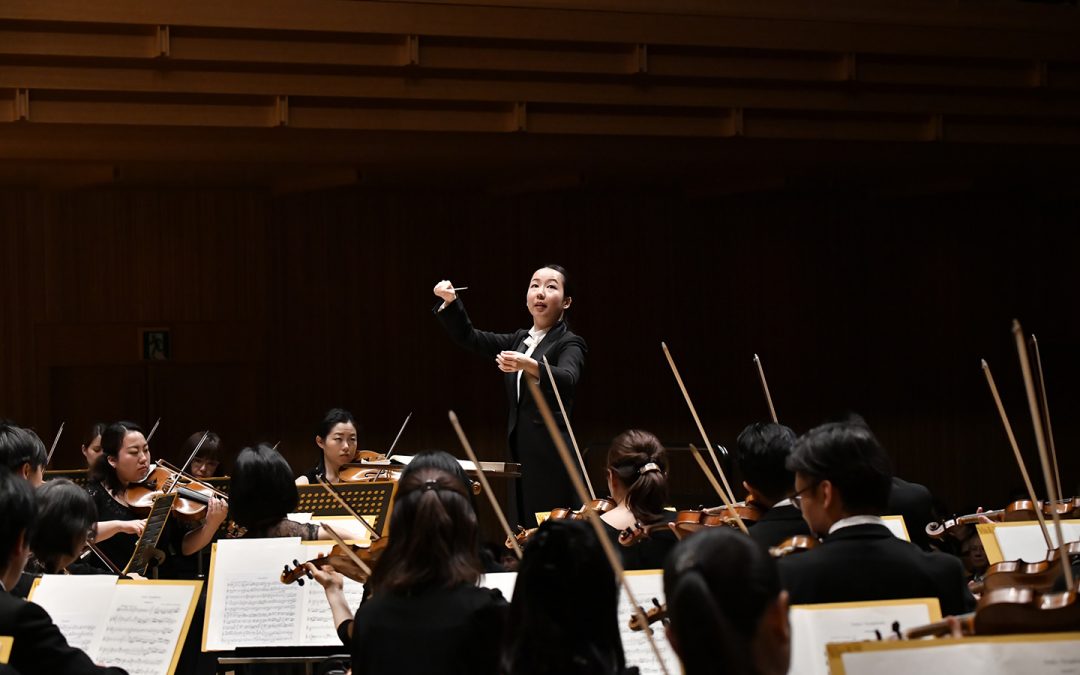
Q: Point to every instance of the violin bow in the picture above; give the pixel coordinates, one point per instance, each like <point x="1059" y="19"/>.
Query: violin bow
<point x="484" y="481"/>
<point x="697" y="420"/>
<point x="592" y="514"/>
<point x="566" y="418"/>
<point x="198" y="446"/>
<point x="153" y="430"/>
<point x="348" y="509"/>
<point x="348" y="549"/>
<point x="104" y="558"/>
<point x="1016" y="451"/>
<point x="716" y="486"/>
<point x="765" y="386"/>
<point x="56" y="440"/>
<point x="400" y="431"/>
<point x="1046" y="414"/>
<point x="1044" y="456"/>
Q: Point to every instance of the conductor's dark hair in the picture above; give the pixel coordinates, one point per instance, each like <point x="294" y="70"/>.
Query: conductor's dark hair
<point x="96" y="429"/>
<point x="762" y="451"/>
<point x="568" y="287"/>
<point x="564" y="616"/>
<point x="65" y="513"/>
<point x="19" y="509"/>
<point x="112" y="439"/>
<point x="640" y="464"/>
<point x="20" y="446"/>
<point x="718" y="584"/>
<point x="262" y="491"/>
<point x="332" y="418"/>
<point x="436" y="539"/>
<point x="850" y="457"/>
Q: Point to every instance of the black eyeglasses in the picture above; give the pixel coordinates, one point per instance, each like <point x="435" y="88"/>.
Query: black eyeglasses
<point x="796" y="499"/>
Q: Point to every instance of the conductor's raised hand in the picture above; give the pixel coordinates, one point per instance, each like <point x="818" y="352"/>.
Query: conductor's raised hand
<point x="445" y="290"/>
<point x="511" y="362"/>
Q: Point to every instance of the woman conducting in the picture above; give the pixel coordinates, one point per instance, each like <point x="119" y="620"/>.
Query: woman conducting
<point x="544" y="484"/>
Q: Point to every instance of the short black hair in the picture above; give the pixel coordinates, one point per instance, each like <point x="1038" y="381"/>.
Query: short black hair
<point x="20" y="446"/>
<point x="17" y="505"/>
<point x="850" y="457"/>
<point x="762" y="451"/>
<point x="65" y="512"/>
<point x="262" y="490"/>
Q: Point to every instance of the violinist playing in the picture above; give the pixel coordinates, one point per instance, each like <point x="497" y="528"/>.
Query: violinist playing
<point x="637" y="467"/>
<point x="842" y="482"/>
<point x="124" y="463"/>
<point x="336" y="437"/>
<point x="761" y="452"/>
<point x="207" y="461"/>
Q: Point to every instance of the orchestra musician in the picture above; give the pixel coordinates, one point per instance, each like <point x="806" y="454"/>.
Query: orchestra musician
<point x="38" y="645"/>
<point x="207" y="461"/>
<point x="124" y="462"/>
<point x="337" y="438"/>
<point x="761" y="452"/>
<point x="22" y="452"/>
<point x="424" y="612"/>
<point x="563" y="615"/>
<point x="727" y="610"/>
<point x="544" y="484"/>
<point x="91" y="444"/>
<point x="842" y="481"/>
<point x="637" y="466"/>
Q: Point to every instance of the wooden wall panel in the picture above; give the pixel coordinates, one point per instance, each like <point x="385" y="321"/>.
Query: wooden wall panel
<point x="284" y="305"/>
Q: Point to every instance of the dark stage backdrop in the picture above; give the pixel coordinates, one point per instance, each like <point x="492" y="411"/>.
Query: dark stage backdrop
<point x="280" y="306"/>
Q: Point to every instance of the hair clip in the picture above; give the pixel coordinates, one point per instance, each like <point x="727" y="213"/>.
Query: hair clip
<point x="430" y="484"/>
<point x="651" y="466"/>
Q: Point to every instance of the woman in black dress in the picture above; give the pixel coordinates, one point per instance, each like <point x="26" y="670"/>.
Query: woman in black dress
<point x="424" y="612"/>
<point x="637" y="480"/>
<point x="544" y="484"/>
<point x="125" y="460"/>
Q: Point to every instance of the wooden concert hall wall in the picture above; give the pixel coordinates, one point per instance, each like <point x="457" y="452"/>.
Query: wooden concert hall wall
<point x="281" y="306"/>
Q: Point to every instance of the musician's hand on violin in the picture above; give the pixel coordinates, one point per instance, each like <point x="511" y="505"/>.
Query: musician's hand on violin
<point x="216" y="511"/>
<point x="327" y="577"/>
<point x="955" y="629"/>
<point x="445" y="290"/>
<point x="983" y="519"/>
<point x="135" y="527"/>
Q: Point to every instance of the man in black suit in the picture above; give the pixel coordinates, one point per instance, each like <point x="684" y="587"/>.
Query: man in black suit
<point x="842" y="481"/>
<point x="761" y="452"/>
<point x="22" y="452"/>
<point x="39" y="646"/>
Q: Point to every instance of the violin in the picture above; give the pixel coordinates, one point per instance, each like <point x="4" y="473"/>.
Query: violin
<point x="658" y="612"/>
<point x="363" y="473"/>
<point x="341" y="561"/>
<point x="1019" y="510"/>
<point x="1005" y="611"/>
<point x="193" y="496"/>
<point x="601" y="505"/>
<point x="800" y="543"/>
<point x="1039" y="576"/>
<point x="689" y="521"/>
<point x="639" y="532"/>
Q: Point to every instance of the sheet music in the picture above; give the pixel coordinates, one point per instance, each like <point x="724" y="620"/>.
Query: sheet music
<point x="646" y="586"/>
<point x="938" y="657"/>
<point x="250" y="607"/>
<point x="134" y="625"/>
<point x="144" y="627"/>
<point x="1026" y="542"/>
<point x="83" y="621"/>
<point x="503" y="581"/>
<point x="812" y="628"/>
<point x="896" y="525"/>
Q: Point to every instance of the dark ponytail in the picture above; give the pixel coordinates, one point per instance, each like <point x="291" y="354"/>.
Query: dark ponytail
<point x="640" y="464"/>
<point x="436" y="541"/>
<point x="718" y="584"/>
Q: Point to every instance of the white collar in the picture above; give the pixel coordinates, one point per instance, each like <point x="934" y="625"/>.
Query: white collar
<point x="856" y="520"/>
<point x="536" y="333"/>
<point x="782" y="502"/>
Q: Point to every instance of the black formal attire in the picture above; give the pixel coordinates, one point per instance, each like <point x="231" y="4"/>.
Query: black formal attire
<point x="778" y="524"/>
<point x="650" y="552"/>
<point x="544" y="484"/>
<point x="435" y="631"/>
<point x="867" y="562"/>
<point x="39" y="646"/>
<point x="916" y="505"/>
